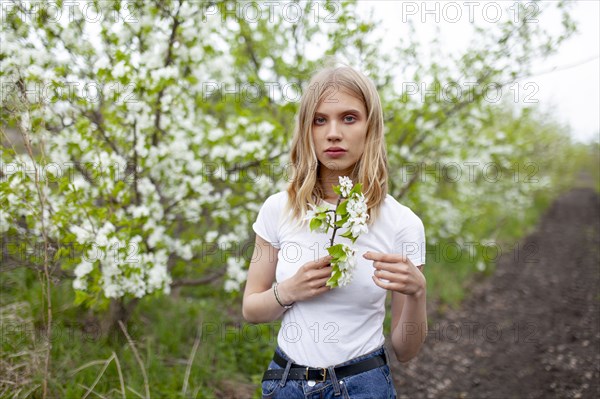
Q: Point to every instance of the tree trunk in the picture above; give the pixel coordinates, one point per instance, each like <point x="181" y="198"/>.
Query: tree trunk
<point x="119" y="310"/>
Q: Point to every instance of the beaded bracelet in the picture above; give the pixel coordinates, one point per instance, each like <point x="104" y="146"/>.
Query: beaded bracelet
<point x="279" y="300"/>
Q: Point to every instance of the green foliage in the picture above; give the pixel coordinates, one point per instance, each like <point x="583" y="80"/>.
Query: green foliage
<point x="163" y="329"/>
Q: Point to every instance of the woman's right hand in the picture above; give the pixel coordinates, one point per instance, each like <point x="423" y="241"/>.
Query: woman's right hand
<point x="308" y="282"/>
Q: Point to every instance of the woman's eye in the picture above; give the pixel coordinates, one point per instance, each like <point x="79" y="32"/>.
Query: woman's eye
<point x="319" y="120"/>
<point x="349" y="118"/>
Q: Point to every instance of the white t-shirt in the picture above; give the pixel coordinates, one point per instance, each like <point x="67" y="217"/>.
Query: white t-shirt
<point x="345" y="322"/>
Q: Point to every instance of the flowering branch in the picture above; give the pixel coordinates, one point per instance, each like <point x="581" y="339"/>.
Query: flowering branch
<point x="352" y="213"/>
<point x="334" y="221"/>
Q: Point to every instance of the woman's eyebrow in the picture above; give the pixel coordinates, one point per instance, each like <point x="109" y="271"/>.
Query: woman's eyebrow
<point x="347" y="111"/>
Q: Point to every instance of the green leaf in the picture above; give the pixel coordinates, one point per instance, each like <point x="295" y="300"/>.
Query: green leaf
<point x="347" y="234"/>
<point x="337" y="190"/>
<point x="342" y="209"/>
<point x="80" y="297"/>
<point x="336" y="251"/>
<point x="341" y="222"/>
<point x="336" y="273"/>
<point x="315" y="224"/>
<point x="332" y="282"/>
<point x="119" y="185"/>
<point x="357" y="189"/>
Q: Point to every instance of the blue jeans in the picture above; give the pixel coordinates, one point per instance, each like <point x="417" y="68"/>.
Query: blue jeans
<point x="372" y="384"/>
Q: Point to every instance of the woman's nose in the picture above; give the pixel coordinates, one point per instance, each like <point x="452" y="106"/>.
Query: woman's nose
<point x="334" y="131"/>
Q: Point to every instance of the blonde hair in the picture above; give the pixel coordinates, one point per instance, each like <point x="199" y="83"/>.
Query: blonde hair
<point x="371" y="169"/>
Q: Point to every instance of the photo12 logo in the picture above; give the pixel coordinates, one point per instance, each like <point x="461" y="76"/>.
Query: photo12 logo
<point x="53" y="172"/>
<point x="251" y="92"/>
<point x="13" y="94"/>
<point x="67" y="11"/>
<point x="471" y="11"/>
<point x="468" y="92"/>
<point x="272" y="11"/>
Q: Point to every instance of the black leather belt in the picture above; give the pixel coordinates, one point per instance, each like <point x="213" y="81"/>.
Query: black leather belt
<point x="298" y="372"/>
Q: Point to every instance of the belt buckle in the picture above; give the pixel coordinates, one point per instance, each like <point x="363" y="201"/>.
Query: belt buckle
<point x="323" y="374"/>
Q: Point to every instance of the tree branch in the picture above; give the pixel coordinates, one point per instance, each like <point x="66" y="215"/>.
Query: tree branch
<point x="404" y="189"/>
<point x="97" y="117"/>
<point x="168" y="61"/>
<point x="256" y="162"/>
<point x="135" y="164"/>
<point x="198" y="281"/>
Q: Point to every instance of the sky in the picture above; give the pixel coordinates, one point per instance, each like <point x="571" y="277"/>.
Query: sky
<point x="567" y="83"/>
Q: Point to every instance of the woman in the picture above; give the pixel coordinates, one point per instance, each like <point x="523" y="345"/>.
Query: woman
<point x="331" y="341"/>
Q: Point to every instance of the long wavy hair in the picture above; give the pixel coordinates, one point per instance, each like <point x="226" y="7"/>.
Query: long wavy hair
<point x="371" y="169"/>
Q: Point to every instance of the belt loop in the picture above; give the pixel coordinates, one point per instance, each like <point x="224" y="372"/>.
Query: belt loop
<point x="385" y="353"/>
<point x="334" y="381"/>
<point x="285" y="373"/>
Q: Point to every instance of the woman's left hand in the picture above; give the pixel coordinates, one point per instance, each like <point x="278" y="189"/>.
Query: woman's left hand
<point x="401" y="275"/>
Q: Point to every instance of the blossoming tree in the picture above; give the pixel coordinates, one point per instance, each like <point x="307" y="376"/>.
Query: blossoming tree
<point x="139" y="140"/>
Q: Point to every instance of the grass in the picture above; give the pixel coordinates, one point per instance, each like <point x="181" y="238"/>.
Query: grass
<point x="164" y="331"/>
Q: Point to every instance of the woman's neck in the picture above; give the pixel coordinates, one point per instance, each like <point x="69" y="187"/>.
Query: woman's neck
<point x="329" y="178"/>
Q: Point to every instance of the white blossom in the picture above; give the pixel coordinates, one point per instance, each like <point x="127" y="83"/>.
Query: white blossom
<point x="184" y="251"/>
<point x="156" y="236"/>
<point x="164" y="73"/>
<point x="350" y="261"/>
<point x="345" y="278"/>
<point x="211" y="236"/>
<point x="231" y="285"/>
<point x="139" y="211"/>
<point x="134" y="285"/>
<point x="119" y="70"/>
<point x="3" y="221"/>
<point x="347" y="266"/>
<point x="79" y="284"/>
<point x="311" y="213"/>
<point x="102" y="235"/>
<point x="112" y="290"/>
<point x="357" y="210"/>
<point x="236" y="273"/>
<point x="83" y="235"/>
<point x="157" y="274"/>
<point x="359" y="228"/>
<point x="345" y="185"/>
<point x="84" y="268"/>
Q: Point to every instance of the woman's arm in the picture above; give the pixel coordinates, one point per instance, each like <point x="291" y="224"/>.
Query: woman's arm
<point x="259" y="303"/>
<point x="409" y="323"/>
<point x="396" y="273"/>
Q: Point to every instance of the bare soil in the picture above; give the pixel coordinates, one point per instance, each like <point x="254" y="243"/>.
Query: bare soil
<point x="529" y="331"/>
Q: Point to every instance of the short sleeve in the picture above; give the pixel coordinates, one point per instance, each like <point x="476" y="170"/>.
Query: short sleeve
<point x="410" y="240"/>
<point x="267" y="221"/>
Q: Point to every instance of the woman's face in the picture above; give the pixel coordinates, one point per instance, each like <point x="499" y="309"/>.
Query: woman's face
<point x="340" y="131"/>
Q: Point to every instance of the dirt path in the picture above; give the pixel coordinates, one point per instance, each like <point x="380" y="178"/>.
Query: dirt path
<point x="531" y="330"/>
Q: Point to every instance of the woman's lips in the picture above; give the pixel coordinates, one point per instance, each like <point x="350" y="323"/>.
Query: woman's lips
<point x="335" y="153"/>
